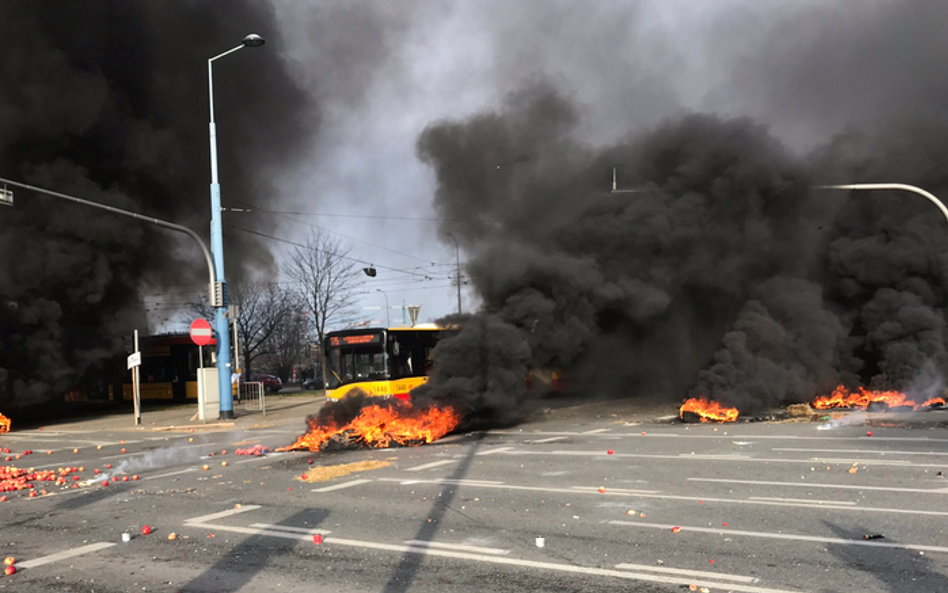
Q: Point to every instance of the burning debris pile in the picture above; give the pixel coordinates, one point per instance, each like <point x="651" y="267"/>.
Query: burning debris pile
<point x="873" y="401"/>
<point x="700" y="409"/>
<point x="5" y="424"/>
<point x="356" y="424"/>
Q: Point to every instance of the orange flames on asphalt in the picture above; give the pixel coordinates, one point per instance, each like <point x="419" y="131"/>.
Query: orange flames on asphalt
<point x="708" y="411"/>
<point x="862" y="397"/>
<point x="4" y="424"/>
<point x="380" y="426"/>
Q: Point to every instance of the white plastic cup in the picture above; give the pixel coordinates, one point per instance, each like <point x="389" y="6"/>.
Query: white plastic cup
<point x="541" y="542"/>
<point x="126" y="537"/>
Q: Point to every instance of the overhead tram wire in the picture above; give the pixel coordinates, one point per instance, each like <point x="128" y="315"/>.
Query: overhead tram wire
<point x="297" y="244"/>
<point x="337" y="215"/>
<point x="275" y="213"/>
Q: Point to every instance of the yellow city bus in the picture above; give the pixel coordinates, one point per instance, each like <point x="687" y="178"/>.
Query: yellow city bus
<point x="382" y="362"/>
<point x="169" y="369"/>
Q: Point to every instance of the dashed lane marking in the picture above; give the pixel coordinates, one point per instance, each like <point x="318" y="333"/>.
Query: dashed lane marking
<point x="870" y="451"/>
<point x="64" y="555"/>
<point x="493" y="451"/>
<point x="548" y="440"/>
<point x="806" y="500"/>
<point x="222" y="514"/>
<point x="475" y="549"/>
<point x="761" y="437"/>
<point x="707" y="458"/>
<point x="829" y="486"/>
<point x="348" y="484"/>
<point x="596" y="431"/>
<point x="786" y="536"/>
<point x="431" y="465"/>
<point x="649" y="494"/>
<point x="721" y="576"/>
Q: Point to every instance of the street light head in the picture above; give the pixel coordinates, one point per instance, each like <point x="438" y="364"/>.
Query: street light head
<point x="253" y="40"/>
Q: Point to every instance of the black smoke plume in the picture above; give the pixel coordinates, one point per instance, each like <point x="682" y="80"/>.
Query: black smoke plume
<point x="722" y="273"/>
<point x="108" y="100"/>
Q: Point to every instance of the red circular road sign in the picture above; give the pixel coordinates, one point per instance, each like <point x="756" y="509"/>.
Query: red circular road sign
<point x="201" y="333"/>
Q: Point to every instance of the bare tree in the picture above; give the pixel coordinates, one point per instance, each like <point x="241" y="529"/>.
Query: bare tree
<point x="263" y="306"/>
<point x="288" y="341"/>
<point x="325" y="278"/>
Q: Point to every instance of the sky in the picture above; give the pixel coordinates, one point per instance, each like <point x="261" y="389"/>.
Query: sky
<point x="383" y="72"/>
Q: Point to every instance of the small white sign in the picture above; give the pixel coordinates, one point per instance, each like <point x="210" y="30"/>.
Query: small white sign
<point x="6" y="197"/>
<point x="134" y="360"/>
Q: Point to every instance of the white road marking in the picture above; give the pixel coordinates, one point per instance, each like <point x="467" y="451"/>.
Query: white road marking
<point x="289" y="528"/>
<point x="549" y="566"/>
<point x="475" y="549"/>
<point x="786" y="536"/>
<point x="168" y="475"/>
<point x="64" y="555"/>
<point x="872" y="451"/>
<point x="596" y="431"/>
<point x="252" y="459"/>
<point x="706" y="458"/>
<point x="807" y="500"/>
<point x="498" y="450"/>
<point x="431" y="465"/>
<point x="645" y="494"/>
<point x="718" y="436"/>
<point x="348" y="484"/>
<point x="830" y="486"/>
<point x="548" y="440"/>
<point x="616" y="490"/>
<point x="695" y="573"/>
<point x="222" y="514"/>
<point x="458" y="482"/>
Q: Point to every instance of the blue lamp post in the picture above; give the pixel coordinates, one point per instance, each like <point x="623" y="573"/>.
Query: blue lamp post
<point x="218" y="291"/>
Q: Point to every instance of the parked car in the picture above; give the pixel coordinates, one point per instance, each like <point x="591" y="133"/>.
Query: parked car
<point x="313" y="384"/>
<point x="271" y="383"/>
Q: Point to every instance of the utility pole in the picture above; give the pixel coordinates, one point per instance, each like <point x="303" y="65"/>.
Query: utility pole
<point x="457" y="255"/>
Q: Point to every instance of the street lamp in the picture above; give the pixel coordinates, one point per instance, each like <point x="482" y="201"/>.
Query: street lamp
<point x="891" y="186"/>
<point x="388" y="319"/>
<point x="217" y="248"/>
<point x="457" y="254"/>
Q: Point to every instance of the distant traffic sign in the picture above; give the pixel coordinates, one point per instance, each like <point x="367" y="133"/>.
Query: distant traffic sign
<point x="6" y="197"/>
<point x="201" y="333"/>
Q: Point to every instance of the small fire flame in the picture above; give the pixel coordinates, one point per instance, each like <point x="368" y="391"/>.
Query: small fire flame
<point x="862" y="397"/>
<point x="396" y="423"/>
<point x="708" y="411"/>
<point x="5" y="424"/>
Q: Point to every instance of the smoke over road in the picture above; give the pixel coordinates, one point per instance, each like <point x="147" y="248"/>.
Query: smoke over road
<point x="724" y="275"/>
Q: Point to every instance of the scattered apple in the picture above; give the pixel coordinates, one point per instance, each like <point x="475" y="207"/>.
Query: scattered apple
<point x="9" y="560"/>
<point x="146" y="529"/>
<point x="10" y="570"/>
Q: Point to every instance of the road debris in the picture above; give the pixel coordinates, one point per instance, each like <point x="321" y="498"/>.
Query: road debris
<point x="676" y="529"/>
<point x="146" y="529"/>
<point x="870" y="536"/>
<point x="257" y="451"/>
<point x="541" y="542"/>
<point x="317" y="539"/>
<point x="324" y="473"/>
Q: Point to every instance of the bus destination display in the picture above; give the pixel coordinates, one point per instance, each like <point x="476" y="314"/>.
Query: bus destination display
<point x="355" y="340"/>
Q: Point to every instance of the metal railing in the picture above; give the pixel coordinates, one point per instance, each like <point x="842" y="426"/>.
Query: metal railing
<point x="253" y="396"/>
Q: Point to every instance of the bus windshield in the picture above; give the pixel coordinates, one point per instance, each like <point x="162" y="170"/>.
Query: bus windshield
<point x="355" y="358"/>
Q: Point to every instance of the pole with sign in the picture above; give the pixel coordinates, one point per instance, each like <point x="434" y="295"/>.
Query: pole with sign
<point x="134" y="362"/>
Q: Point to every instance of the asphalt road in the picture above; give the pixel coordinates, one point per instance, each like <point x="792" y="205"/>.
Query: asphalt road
<point x="762" y="508"/>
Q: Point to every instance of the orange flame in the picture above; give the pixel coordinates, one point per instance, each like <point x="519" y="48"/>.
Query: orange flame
<point x="382" y="426"/>
<point x="935" y="401"/>
<point x="708" y="411"/>
<point x="5" y="424"/>
<point x="861" y="398"/>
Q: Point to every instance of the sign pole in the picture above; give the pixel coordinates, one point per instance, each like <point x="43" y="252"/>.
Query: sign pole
<point x="136" y="387"/>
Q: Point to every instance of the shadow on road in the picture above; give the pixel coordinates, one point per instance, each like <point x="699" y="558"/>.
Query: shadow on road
<point x="250" y="557"/>
<point x="405" y="572"/>
<point x="898" y="570"/>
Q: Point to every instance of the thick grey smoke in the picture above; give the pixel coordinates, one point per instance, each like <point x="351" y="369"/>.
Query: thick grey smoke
<point x="708" y="279"/>
<point x="724" y="274"/>
<point x="108" y="100"/>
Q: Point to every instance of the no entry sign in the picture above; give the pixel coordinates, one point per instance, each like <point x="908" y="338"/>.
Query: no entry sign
<point x="201" y="333"/>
